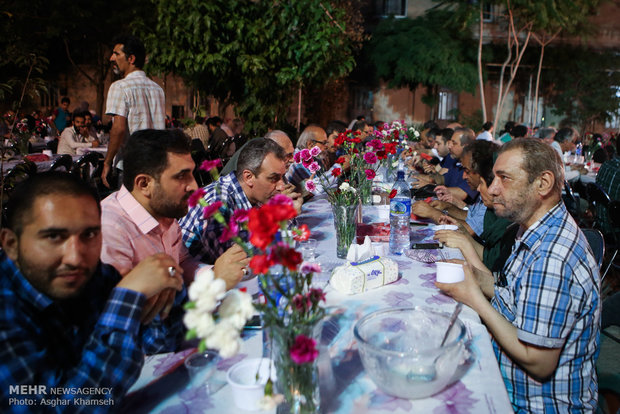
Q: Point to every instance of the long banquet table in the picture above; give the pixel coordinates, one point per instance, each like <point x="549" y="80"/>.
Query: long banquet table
<point x="164" y="386"/>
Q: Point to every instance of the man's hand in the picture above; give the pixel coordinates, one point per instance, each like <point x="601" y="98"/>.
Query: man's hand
<point x="104" y="174"/>
<point x="289" y="190"/>
<point x="95" y="143"/>
<point x="230" y="266"/>
<point x="440" y="205"/>
<point x="422" y="209"/>
<point x="152" y="278"/>
<point x="468" y="291"/>
<point x="422" y="181"/>
<point x="347" y="163"/>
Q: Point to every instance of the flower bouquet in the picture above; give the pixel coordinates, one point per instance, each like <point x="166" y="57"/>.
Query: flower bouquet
<point x="289" y="305"/>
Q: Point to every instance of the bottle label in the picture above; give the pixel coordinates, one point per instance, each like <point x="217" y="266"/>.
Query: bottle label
<point x="400" y="207"/>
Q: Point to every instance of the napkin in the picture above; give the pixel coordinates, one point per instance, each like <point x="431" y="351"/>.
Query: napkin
<point x="360" y="252"/>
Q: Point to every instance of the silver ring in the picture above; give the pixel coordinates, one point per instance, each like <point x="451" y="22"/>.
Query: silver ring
<point x="172" y="271"/>
<point x="245" y="271"/>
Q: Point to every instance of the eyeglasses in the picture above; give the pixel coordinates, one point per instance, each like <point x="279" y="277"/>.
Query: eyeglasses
<point x="319" y="142"/>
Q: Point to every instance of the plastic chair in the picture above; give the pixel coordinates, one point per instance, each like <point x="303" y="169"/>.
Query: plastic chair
<point x="599" y="199"/>
<point x="597" y="244"/>
<point x="88" y="168"/>
<point x="63" y="163"/>
<point x="571" y="201"/>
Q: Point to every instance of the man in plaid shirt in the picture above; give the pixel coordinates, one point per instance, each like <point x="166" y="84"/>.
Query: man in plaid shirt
<point x="66" y="319"/>
<point x="545" y="310"/>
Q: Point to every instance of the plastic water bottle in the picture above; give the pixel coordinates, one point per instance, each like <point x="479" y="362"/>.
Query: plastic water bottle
<point x="400" y="212"/>
<point x="578" y="149"/>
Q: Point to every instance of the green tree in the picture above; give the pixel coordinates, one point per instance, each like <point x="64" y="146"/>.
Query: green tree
<point x="582" y="85"/>
<point x="427" y="50"/>
<point x="254" y="54"/>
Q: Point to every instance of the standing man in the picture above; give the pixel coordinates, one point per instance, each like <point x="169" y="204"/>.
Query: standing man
<point x="545" y="310"/>
<point x="135" y="102"/>
<point x="62" y="115"/>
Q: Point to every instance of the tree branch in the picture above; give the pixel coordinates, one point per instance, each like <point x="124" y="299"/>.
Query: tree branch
<point x="75" y="65"/>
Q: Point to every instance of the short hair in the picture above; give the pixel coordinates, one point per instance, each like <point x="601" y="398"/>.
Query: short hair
<point x="335" y="126"/>
<point x="482" y="158"/>
<point x="146" y="152"/>
<point x="199" y="119"/>
<point x="430" y="125"/>
<point x="433" y="132"/>
<point x="537" y="158"/>
<point x="447" y="134"/>
<point x="519" y="131"/>
<point x="275" y="132"/>
<point x="466" y="136"/>
<point x="310" y="133"/>
<point x="65" y="99"/>
<point x="254" y="152"/>
<point x="48" y="183"/>
<point x="544" y="133"/>
<point x="564" y="134"/>
<point x="80" y="114"/>
<point x="214" y="121"/>
<point x="487" y="126"/>
<point x="359" y="126"/>
<point x="132" y="46"/>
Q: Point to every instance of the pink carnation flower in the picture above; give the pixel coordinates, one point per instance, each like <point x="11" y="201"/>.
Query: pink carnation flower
<point x="280" y="199"/>
<point x="193" y="199"/>
<point x="375" y="144"/>
<point x="303" y="350"/>
<point x="314" y="167"/>
<point x="229" y="231"/>
<point x="315" y="151"/>
<point x="310" y="268"/>
<point x="370" y="157"/>
<point x="297" y="157"/>
<point x="241" y="215"/>
<point x="305" y="154"/>
<point x="310" y="186"/>
<point x="208" y="165"/>
<point x="209" y="210"/>
<point x="370" y="174"/>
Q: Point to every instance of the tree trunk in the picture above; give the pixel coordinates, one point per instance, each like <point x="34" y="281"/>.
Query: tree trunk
<point x="480" y="78"/>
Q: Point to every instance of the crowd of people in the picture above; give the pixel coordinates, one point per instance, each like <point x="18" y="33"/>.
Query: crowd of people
<point x="96" y="285"/>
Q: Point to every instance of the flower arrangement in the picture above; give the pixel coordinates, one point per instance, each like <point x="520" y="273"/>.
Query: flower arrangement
<point x="289" y="305"/>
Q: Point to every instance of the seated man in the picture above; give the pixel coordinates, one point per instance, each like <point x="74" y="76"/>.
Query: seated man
<point x="140" y="219"/>
<point x="75" y="137"/>
<point x="544" y="316"/>
<point x="259" y="176"/>
<point x="67" y="319"/>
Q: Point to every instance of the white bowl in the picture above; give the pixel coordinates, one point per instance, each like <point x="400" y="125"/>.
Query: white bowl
<point x="247" y="390"/>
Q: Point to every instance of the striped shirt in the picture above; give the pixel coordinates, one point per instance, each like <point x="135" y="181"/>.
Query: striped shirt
<point x="94" y="340"/>
<point x="140" y="100"/>
<point x="552" y="298"/>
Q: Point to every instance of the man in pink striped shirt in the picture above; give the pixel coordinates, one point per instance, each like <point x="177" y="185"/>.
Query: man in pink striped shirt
<point x="140" y="219"/>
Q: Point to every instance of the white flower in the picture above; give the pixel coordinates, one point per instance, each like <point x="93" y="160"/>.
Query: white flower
<point x="344" y="186"/>
<point x="237" y="308"/>
<point x="206" y="291"/>
<point x="416" y="133"/>
<point x="224" y="338"/>
<point x="201" y="321"/>
<point x="269" y="402"/>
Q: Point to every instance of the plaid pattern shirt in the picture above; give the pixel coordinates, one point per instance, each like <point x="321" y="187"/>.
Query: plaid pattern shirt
<point x="140" y="100"/>
<point x="202" y="237"/>
<point x="551" y="295"/>
<point x="94" y="340"/>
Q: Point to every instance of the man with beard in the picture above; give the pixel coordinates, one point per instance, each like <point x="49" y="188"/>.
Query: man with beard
<point x="141" y="218"/>
<point x="66" y="319"/>
<point x="134" y="102"/>
<point x="544" y="316"/>
<point x="76" y="136"/>
<point x="259" y="176"/>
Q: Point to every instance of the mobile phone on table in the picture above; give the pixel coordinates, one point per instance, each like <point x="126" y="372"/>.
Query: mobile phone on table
<point x="254" y="323"/>
<point x="425" y="246"/>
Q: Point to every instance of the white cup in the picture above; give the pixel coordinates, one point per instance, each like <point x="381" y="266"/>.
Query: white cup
<point x="449" y="272"/>
<point x="48" y="153"/>
<point x="247" y="390"/>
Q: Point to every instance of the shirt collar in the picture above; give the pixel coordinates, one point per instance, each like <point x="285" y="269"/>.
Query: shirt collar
<point x="23" y="287"/>
<point x="136" y="74"/>
<point x="536" y="231"/>
<point x="136" y="212"/>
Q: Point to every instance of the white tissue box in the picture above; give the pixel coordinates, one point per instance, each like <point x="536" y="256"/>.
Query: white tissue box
<point x="358" y="277"/>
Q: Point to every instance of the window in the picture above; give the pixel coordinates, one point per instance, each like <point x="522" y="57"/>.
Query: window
<point x="488" y="12"/>
<point x="397" y="8"/>
<point x="448" y="105"/>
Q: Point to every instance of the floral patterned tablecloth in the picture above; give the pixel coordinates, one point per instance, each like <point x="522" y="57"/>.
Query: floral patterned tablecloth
<point x="164" y="386"/>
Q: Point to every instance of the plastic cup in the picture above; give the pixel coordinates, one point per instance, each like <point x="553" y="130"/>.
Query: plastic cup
<point x="48" y="153"/>
<point x="449" y="272"/>
<point x="308" y="249"/>
<point x="247" y="389"/>
<point x="201" y="367"/>
<point x="445" y="227"/>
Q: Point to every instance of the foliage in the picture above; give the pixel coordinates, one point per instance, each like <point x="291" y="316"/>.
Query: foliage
<point x="582" y="84"/>
<point x="426" y="50"/>
<point x="255" y="54"/>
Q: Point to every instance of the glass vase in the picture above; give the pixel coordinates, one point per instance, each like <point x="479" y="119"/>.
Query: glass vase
<point x="299" y="383"/>
<point x="345" y="221"/>
<point x="365" y="191"/>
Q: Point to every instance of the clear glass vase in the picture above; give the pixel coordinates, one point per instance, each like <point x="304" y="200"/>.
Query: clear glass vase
<point x="345" y="222"/>
<point x="299" y="383"/>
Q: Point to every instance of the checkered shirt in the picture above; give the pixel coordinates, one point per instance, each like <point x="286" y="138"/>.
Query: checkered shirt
<point x="202" y="236"/>
<point x="552" y="298"/>
<point x="140" y="100"/>
<point x="90" y="341"/>
<point x="475" y="215"/>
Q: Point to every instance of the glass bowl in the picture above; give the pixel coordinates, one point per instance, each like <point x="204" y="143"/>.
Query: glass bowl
<point x="400" y="350"/>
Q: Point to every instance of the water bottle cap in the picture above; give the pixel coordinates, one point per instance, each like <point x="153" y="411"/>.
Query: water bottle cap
<point x="400" y="175"/>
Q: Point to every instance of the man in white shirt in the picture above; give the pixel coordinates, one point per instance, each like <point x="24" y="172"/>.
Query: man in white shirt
<point x="75" y="137"/>
<point x="135" y="102"/>
<point x="486" y="133"/>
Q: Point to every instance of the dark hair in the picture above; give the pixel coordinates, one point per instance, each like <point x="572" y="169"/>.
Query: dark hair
<point x="359" y="126"/>
<point x="132" y="46"/>
<point x="65" y="99"/>
<point x="335" y="126"/>
<point x="146" y="152"/>
<point x="254" y="152"/>
<point x="564" y="134"/>
<point x="537" y="158"/>
<point x="430" y="125"/>
<point x="482" y="159"/>
<point x="508" y="126"/>
<point x="519" y="131"/>
<point x="81" y="114"/>
<point x="447" y="133"/>
<point x="544" y="133"/>
<point x="433" y="132"/>
<point x="214" y="121"/>
<point x="600" y="155"/>
<point x="26" y="193"/>
<point x="199" y="119"/>
<point x="487" y="126"/>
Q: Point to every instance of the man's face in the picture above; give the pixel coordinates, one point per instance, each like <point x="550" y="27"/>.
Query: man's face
<point x="441" y="146"/>
<point x="88" y="121"/>
<point x="331" y="142"/>
<point x="456" y="149"/>
<point x="120" y="62"/>
<point x="472" y="178"/>
<point x="569" y="145"/>
<point x="175" y="185"/>
<point x="268" y="182"/>
<point x="58" y="249"/>
<point x="64" y="105"/>
<point x="368" y="131"/>
<point x="426" y="141"/>
<point x="320" y="141"/>
<point x="513" y="196"/>
<point x="285" y="142"/>
<point x="78" y="122"/>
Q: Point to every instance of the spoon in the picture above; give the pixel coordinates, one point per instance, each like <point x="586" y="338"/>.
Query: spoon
<point x="455" y="315"/>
